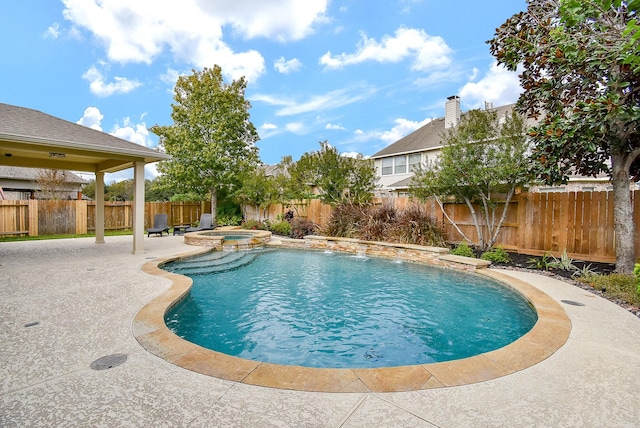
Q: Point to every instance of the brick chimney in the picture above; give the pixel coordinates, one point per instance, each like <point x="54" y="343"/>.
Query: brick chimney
<point x="452" y="111"/>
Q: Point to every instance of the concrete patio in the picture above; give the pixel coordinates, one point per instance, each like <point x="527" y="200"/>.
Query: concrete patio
<point x="66" y="303"/>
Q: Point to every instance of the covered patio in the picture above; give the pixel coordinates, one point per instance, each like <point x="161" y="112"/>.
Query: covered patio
<point x="33" y="139"/>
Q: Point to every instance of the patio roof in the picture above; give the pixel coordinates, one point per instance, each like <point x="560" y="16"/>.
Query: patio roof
<point x="33" y="139"/>
<point x="30" y="138"/>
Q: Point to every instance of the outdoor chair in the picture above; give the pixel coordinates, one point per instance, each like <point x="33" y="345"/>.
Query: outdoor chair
<point x="159" y="225"/>
<point x="206" y="221"/>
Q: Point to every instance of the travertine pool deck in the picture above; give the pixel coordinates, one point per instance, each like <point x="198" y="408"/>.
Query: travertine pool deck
<point x="84" y="298"/>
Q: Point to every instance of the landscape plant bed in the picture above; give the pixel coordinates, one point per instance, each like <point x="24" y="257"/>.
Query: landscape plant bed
<point x="521" y="262"/>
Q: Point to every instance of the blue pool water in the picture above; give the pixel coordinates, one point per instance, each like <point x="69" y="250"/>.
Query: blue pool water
<point x="336" y="310"/>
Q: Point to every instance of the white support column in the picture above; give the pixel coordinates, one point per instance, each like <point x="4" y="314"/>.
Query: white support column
<point x="99" y="207"/>
<point x="138" y="208"/>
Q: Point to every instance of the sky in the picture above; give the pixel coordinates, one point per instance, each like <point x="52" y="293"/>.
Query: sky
<point x="359" y="74"/>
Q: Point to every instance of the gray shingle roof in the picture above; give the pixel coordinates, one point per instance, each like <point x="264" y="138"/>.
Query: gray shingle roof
<point x="21" y="121"/>
<point x="31" y="174"/>
<point x="426" y="137"/>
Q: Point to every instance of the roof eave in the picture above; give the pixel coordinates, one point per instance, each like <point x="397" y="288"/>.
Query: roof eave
<point x="146" y="154"/>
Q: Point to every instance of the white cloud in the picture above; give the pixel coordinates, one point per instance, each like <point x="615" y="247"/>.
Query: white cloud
<point x="53" y="31"/>
<point x="295" y="127"/>
<point x="192" y="30"/>
<point x="91" y="118"/>
<point x="323" y="102"/>
<point x="355" y="155"/>
<point x="334" y="127"/>
<point x="170" y="77"/>
<point x="402" y="128"/>
<point x="285" y="67"/>
<point x="428" y="52"/>
<point x="134" y="132"/>
<point x="498" y="86"/>
<point x="268" y="130"/>
<point x="99" y="87"/>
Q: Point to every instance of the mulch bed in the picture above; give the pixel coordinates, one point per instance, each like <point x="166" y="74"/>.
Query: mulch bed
<point x="521" y="262"/>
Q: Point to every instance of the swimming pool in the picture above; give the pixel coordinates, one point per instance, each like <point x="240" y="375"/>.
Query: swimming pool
<point x="326" y="309"/>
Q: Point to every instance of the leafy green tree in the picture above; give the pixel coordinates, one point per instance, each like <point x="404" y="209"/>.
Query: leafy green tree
<point x="293" y="183"/>
<point x="481" y="160"/>
<point x="119" y="191"/>
<point x="158" y="190"/>
<point x="212" y="139"/>
<point x="260" y="190"/>
<point x="581" y="77"/>
<point x="89" y="189"/>
<point x="338" y="178"/>
<point x="186" y="197"/>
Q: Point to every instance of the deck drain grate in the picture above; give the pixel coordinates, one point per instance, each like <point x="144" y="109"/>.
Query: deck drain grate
<point x="571" y="302"/>
<point x="108" y="362"/>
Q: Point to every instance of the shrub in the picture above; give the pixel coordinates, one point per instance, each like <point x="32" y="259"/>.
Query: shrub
<point x="345" y="221"/>
<point x="228" y="220"/>
<point x="563" y="263"/>
<point x="464" y="250"/>
<point x="541" y="263"/>
<point x="376" y="222"/>
<point x="384" y="223"/>
<point x="497" y="255"/>
<point x="414" y="226"/>
<point x="586" y="272"/>
<point x="617" y="286"/>
<point x="301" y="227"/>
<point x="254" y="225"/>
<point x="282" y="228"/>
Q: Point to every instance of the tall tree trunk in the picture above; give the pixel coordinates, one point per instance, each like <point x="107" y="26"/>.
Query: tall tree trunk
<point x="481" y="242"/>
<point x="494" y="236"/>
<point x="623" y="214"/>
<point x="214" y="205"/>
<point x="450" y="220"/>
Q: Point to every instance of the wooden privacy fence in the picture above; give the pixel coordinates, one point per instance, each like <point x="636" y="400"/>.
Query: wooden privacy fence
<point x="44" y="217"/>
<point x="580" y="223"/>
<point x="536" y="223"/>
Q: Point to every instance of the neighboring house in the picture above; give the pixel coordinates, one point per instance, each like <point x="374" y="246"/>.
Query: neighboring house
<point x="31" y="183"/>
<point x="396" y="163"/>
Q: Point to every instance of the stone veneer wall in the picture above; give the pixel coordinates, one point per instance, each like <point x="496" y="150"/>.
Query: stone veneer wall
<point x="255" y="238"/>
<point x="407" y="252"/>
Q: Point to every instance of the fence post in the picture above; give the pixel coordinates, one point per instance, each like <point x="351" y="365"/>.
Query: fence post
<point x="81" y="217"/>
<point x="33" y="217"/>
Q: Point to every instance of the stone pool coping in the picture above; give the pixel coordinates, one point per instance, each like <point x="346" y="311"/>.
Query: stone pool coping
<point x="550" y="332"/>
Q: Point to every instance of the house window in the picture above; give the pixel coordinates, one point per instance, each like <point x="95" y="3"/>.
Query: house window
<point x="400" y="165"/>
<point x="387" y="166"/>
<point x="414" y="162"/>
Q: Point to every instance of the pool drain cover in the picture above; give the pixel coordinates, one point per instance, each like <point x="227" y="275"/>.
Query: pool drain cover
<point x="571" y="302"/>
<point x="108" y="362"/>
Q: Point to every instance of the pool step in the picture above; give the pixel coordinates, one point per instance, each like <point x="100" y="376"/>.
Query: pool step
<point x="238" y="262"/>
<point x="221" y="262"/>
<point x="203" y="261"/>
